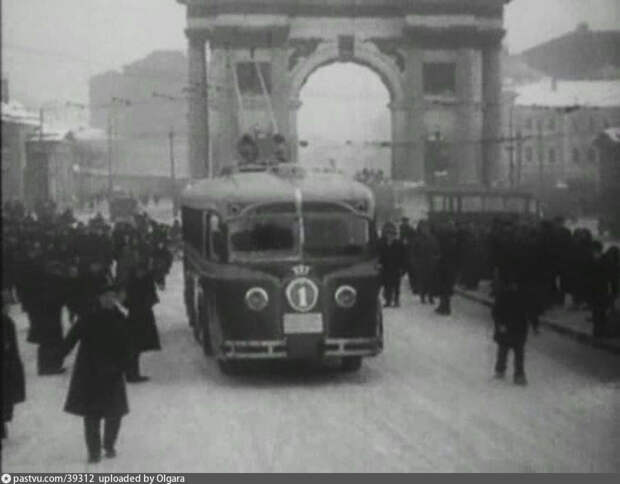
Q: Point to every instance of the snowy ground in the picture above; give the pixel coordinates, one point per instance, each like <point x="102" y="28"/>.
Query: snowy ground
<point x="426" y="404"/>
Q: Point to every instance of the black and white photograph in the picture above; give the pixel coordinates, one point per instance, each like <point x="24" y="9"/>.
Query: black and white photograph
<point x="310" y="236"/>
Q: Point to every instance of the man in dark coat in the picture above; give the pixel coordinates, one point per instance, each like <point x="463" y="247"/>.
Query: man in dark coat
<point x="143" y="334"/>
<point x="425" y="256"/>
<point x="511" y="328"/>
<point x="51" y="300"/>
<point x="601" y="290"/>
<point x="97" y="389"/>
<point x="13" y="381"/>
<point x="447" y="267"/>
<point x="392" y="261"/>
<point x="407" y="236"/>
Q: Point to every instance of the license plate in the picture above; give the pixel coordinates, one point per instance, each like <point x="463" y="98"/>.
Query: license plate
<point x="303" y="323"/>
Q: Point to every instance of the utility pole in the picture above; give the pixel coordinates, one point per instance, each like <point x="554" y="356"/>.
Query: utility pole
<point x="173" y="183"/>
<point x="110" y="185"/>
<point x="541" y="158"/>
<point x="519" y="156"/>
<point x="511" y="150"/>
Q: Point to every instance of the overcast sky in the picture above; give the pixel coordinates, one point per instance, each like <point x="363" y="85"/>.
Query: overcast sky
<point x="51" y="47"/>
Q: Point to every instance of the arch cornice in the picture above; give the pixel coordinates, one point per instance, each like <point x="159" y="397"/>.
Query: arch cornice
<point x="364" y="54"/>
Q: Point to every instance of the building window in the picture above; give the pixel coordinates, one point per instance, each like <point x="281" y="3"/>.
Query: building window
<point x="552" y="155"/>
<point x="576" y="156"/>
<point x="529" y="154"/>
<point x="249" y="80"/>
<point x="592" y="155"/>
<point x="440" y="78"/>
<point x="551" y="124"/>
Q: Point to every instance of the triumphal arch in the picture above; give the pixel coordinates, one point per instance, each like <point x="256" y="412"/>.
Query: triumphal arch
<point x="439" y="59"/>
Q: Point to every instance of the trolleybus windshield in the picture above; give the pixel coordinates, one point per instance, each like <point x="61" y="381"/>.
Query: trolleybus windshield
<point x="279" y="236"/>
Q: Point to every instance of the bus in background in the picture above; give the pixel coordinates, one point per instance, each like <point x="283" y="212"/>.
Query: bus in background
<point x="282" y="264"/>
<point x="123" y="207"/>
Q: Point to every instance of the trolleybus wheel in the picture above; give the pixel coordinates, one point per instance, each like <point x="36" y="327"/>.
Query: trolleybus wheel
<point x="351" y="363"/>
<point x="202" y="329"/>
<point x="206" y="340"/>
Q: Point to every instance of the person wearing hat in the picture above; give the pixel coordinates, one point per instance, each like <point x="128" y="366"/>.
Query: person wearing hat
<point x="141" y="297"/>
<point x="13" y="380"/>
<point x="97" y="389"/>
<point x="392" y="262"/>
<point x="52" y="299"/>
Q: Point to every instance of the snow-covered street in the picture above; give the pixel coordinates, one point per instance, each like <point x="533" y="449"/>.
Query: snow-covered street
<point x="427" y="403"/>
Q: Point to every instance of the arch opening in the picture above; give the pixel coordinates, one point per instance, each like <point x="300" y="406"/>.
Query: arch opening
<point x="344" y="119"/>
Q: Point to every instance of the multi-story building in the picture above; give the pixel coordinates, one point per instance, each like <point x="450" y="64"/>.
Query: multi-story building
<point x="17" y="124"/>
<point x="550" y="132"/>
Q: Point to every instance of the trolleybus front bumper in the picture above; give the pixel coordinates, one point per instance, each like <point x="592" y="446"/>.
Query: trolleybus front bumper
<point x="329" y="347"/>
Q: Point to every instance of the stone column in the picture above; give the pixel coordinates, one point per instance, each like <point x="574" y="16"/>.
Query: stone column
<point x="198" y="108"/>
<point x="280" y="95"/>
<point x="400" y="140"/>
<point x="491" y="99"/>
<point x="408" y="121"/>
<point x="293" y="136"/>
<point x="466" y="151"/>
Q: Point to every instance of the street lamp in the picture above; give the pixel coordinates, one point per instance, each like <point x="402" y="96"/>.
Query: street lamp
<point x="171" y="134"/>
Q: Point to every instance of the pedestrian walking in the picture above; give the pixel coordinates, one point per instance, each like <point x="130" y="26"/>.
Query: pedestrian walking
<point x="425" y="257"/>
<point x="392" y="262"/>
<point x="601" y="290"/>
<point x="511" y="328"/>
<point x="447" y="267"/>
<point x="13" y="380"/>
<point x="97" y="389"/>
<point x="143" y="334"/>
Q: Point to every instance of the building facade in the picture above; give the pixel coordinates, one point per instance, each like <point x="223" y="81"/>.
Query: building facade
<point x="550" y="132"/>
<point x="17" y="125"/>
<point x="440" y="61"/>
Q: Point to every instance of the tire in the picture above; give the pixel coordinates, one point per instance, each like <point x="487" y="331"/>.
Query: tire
<point x="351" y="363"/>
<point x="207" y="348"/>
<point x="205" y="336"/>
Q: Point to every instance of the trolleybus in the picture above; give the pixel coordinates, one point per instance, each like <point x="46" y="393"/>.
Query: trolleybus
<point x="281" y="263"/>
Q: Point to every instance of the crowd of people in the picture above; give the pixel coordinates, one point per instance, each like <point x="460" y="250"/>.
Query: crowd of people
<point x="533" y="267"/>
<point x="106" y="276"/>
<point x="371" y="177"/>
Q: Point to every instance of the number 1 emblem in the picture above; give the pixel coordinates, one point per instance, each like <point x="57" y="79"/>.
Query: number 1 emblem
<point x="302" y="294"/>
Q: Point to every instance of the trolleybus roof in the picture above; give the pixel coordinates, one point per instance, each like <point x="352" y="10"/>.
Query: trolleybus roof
<point x="274" y="187"/>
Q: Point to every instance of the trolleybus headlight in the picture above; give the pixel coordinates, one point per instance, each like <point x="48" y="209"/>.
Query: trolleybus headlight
<point x="345" y="296"/>
<point x="257" y="298"/>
